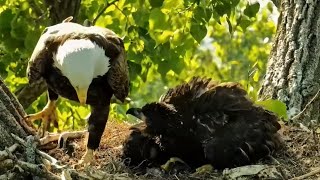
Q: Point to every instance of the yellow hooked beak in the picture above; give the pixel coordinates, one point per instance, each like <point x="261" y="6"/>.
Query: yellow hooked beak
<point x="82" y="95"/>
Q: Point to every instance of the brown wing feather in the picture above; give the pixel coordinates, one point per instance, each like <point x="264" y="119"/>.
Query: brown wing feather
<point x="227" y="96"/>
<point x="118" y="74"/>
<point x="186" y="92"/>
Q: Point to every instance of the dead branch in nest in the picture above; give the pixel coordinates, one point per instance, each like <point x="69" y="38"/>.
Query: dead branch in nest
<point x="314" y="172"/>
<point x="61" y="137"/>
<point x="46" y="167"/>
<point x="4" y="154"/>
<point x="34" y="169"/>
<point x="8" y="176"/>
<point x="52" y="161"/>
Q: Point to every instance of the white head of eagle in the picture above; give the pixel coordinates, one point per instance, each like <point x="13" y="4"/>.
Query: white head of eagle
<point x="79" y="60"/>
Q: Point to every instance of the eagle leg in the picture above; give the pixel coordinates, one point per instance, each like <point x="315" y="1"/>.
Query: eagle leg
<point x="48" y="114"/>
<point x="87" y="158"/>
<point x="97" y="123"/>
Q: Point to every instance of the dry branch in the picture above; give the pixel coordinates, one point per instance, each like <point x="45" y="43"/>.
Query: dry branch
<point x="61" y="137"/>
<point x="314" y="172"/>
<point x="4" y="153"/>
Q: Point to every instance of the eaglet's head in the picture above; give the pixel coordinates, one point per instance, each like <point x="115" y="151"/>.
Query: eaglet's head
<point x="156" y="115"/>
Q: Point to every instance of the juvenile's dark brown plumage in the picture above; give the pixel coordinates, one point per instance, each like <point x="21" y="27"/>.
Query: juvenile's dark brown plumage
<point x="204" y="122"/>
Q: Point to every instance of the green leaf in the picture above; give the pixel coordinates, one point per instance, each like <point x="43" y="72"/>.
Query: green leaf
<point x="19" y="27"/>
<point x="198" y="31"/>
<point x="156" y="3"/>
<point x="11" y="44"/>
<point x="201" y="15"/>
<point x="229" y="25"/>
<point x="252" y="9"/>
<point x="32" y="39"/>
<point x="216" y="16"/>
<point x="170" y="4"/>
<point x="141" y="17"/>
<point x="244" y="23"/>
<point x="3" y="72"/>
<point x="134" y="69"/>
<point x="158" y="20"/>
<point x="6" y="17"/>
<point x="275" y="106"/>
<point x="256" y="76"/>
<point x="129" y="2"/>
<point x="234" y="2"/>
<point x="224" y="8"/>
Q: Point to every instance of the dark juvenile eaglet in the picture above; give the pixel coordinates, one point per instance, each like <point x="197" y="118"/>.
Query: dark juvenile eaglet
<point x="202" y="122"/>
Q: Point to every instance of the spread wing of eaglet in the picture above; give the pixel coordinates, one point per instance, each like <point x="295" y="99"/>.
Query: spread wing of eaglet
<point x="83" y="64"/>
<point x="203" y="122"/>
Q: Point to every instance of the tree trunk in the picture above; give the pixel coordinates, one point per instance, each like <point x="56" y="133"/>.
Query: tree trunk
<point x="11" y="113"/>
<point x="59" y="10"/>
<point x="293" y="73"/>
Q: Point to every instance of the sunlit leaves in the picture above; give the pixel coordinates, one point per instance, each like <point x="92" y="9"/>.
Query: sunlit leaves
<point x="141" y="17"/>
<point x="173" y="4"/>
<point x="244" y="23"/>
<point x="158" y="20"/>
<point x="162" y="39"/>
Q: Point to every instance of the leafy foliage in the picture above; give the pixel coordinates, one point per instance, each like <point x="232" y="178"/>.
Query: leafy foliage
<point x="275" y="106"/>
<point x="167" y="42"/>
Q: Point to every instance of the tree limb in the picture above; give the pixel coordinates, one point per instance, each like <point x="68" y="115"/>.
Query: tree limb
<point x="103" y="10"/>
<point x="4" y="154"/>
<point x="314" y="172"/>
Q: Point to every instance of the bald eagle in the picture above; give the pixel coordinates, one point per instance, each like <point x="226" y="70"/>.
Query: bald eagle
<point x="83" y="64"/>
<point x="203" y="122"/>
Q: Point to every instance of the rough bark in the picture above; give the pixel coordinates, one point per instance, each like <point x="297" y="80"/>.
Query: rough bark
<point x="20" y="157"/>
<point x="293" y="74"/>
<point x="11" y="113"/>
<point x="58" y="11"/>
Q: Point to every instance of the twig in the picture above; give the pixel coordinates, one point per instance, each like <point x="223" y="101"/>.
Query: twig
<point x="38" y="170"/>
<point x="117" y="7"/>
<point x="21" y="141"/>
<point x="61" y="136"/>
<point x="102" y="11"/>
<point x="307" y="106"/>
<point x="44" y="155"/>
<point x="314" y="172"/>
<point x="4" y="154"/>
<point x="9" y="175"/>
<point x="6" y="164"/>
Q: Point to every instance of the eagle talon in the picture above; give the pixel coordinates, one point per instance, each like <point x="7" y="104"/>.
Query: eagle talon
<point x="86" y="159"/>
<point x="174" y="165"/>
<point x="48" y="115"/>
<point x="207" y="168"/>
